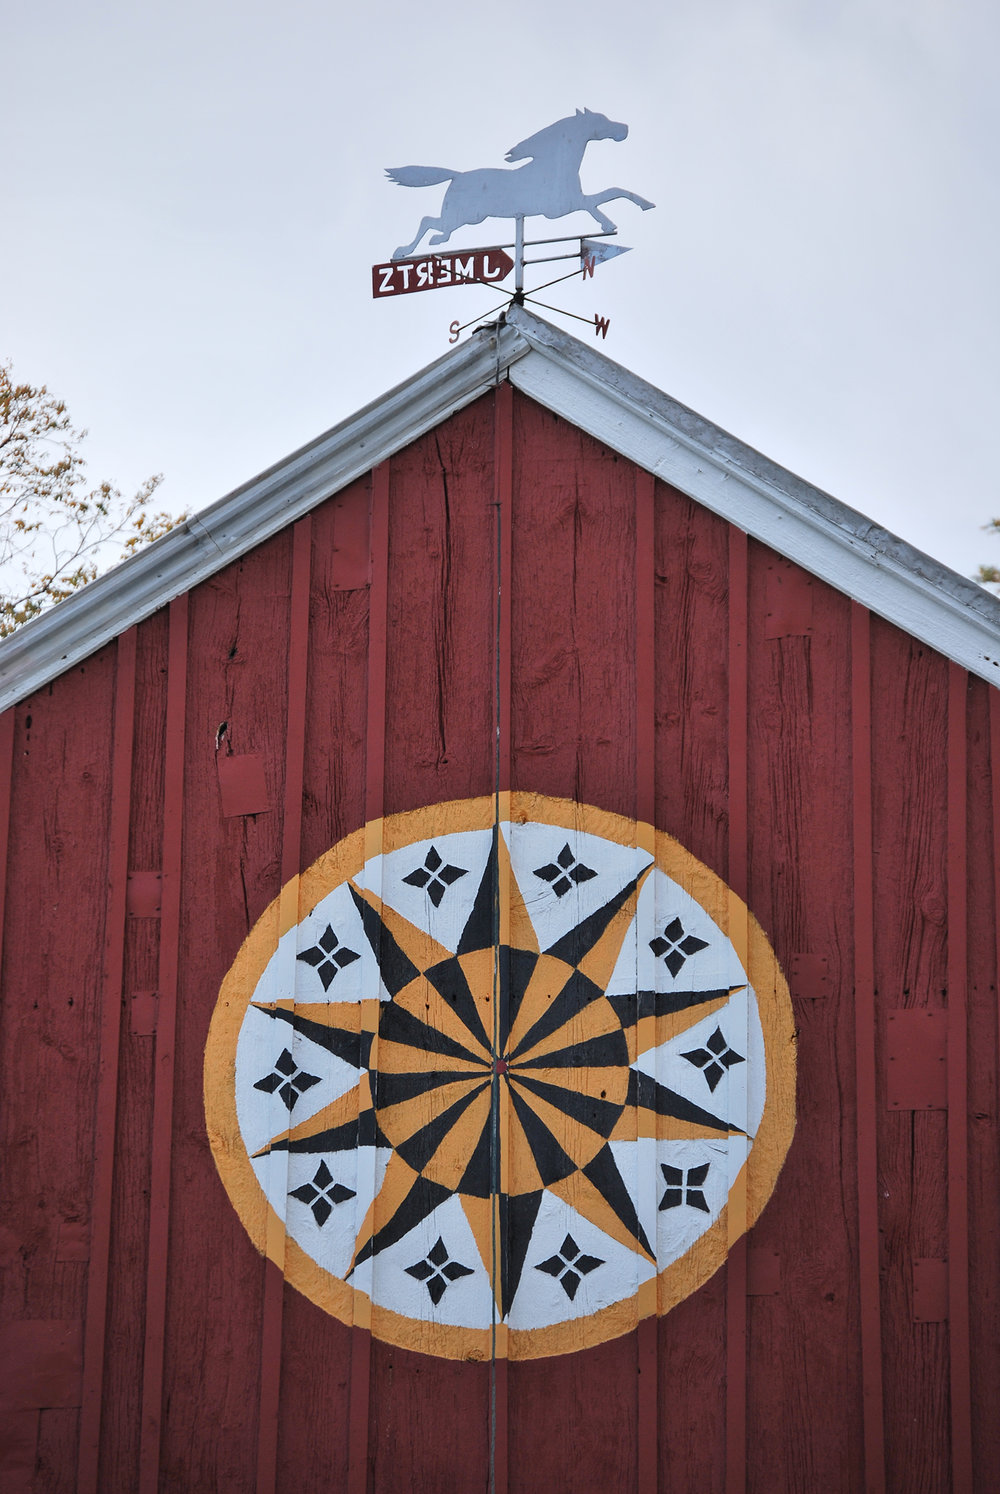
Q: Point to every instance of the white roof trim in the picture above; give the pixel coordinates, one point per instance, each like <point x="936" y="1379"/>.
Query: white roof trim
<point x="222" y="533"/>
<point x="949" y="613"/>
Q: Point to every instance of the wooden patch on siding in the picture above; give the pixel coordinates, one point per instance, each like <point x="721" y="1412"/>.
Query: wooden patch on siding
<point x="788" y="600"/>
<point x="763" y="1272"/>
<point x="930" y="1290"/>
<point x="242" y="784"/>
<point x="142" y="1014"/>
<point x="350" y="560"/>
<point x="74" y="1240"/>
<point x="41" y="1362"/>
<point x="143" y="893"/>
<point x="917" y="1059"/>
<point x="808" y="976"/>
<point x="18" y="1449"/>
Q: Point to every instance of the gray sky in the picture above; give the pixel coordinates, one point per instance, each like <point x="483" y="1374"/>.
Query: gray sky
<point x="195" y="194"/>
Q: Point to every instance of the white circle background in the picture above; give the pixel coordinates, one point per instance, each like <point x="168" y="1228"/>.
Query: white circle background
<point x="540" y="1300"/>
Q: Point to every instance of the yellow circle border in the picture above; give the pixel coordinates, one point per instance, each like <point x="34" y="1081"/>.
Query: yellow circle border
<point x="747" y="1196"/>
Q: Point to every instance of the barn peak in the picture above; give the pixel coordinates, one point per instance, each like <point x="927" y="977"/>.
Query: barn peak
<point x="944" y="610"/>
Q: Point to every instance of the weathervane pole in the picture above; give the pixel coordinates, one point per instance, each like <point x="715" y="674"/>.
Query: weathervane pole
<point x="519" y="256"/>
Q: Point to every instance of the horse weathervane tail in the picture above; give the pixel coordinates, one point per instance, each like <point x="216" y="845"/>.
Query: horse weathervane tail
<point x="546" y="186"/>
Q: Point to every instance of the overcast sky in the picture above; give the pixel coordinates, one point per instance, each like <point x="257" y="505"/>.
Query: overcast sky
<point x="194" y="195"/>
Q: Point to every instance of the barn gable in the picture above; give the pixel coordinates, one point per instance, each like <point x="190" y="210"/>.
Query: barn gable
<point x="947" y="611"/>
<point x="475" y="665"/>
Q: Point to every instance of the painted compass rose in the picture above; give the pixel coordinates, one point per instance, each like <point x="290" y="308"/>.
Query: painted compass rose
<point x="501" y="1084"/>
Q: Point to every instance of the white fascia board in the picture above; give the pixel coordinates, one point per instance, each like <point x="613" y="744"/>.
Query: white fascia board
<point x="944" y="610"/>
<point x="203" y="544"/>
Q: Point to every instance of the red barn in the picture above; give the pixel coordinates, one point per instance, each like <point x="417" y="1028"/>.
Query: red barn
<point x="500" y="974"/>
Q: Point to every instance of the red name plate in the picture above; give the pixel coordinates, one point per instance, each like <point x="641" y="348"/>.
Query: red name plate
<point x="434" y="271"/>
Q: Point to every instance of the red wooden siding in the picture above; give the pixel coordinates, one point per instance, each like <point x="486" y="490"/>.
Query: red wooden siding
<point x="639" y="655"/>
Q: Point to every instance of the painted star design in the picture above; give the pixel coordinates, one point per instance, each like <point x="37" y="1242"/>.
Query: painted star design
<point x="499" y="1071"/>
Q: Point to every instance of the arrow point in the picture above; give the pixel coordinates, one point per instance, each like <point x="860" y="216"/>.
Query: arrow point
<point x="600" y="252"/>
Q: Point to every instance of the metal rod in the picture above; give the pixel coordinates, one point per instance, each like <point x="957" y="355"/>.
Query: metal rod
<point x="518" y="256"/>
<point x="566" y="238"/>
<point x="530" y="299"/>
<point x="547" y="259"/>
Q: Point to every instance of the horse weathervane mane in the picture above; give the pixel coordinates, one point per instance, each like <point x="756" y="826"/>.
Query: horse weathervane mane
<point x="546" y="186"/>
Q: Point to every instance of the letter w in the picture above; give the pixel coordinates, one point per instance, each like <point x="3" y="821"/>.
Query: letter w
<point x="601" y="325"/>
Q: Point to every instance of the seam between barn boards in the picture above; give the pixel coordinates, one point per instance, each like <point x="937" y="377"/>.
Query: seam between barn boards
<point x="165" y="1053"/>
<point x="95" y="1321"/>
<point x="499" y="1148"/>
<point x="736" y="1268"/>
<point x="289" y="915"/>
<point x="958" y="1099"/>
<point x="358" y="1456"/>
<point x="866" y="1118"/>
<point x="647" y="1332"/>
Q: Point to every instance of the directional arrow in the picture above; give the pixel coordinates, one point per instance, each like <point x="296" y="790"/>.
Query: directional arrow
<point x="594" y="253"/>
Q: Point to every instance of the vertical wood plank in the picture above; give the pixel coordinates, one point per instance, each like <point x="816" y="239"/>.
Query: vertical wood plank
<point x="440" y="685"/>
<point x="6" y="779"/>
<point x="958" y="1118"/>
<point x="237" y="675"/>
<point x="503" y="469"/>
<point x="440" y="745"/>
<point x="736" y="1266"/>
<point x="573" y="626"/>
<point x="645" y="814"/>
<point x="738" y="679"/>
<point x="55" y="927"/>
<point x="573" y="725"/>
<point x="361" y="1339"/>
<point x="291" y="842"/>
<point x="864" y="1036"/>
<point x="166" y="1032"/>
<point x="803" y="1337"/>
<point x="316" y="1360"/>
<point x="984" y="1131"/>
<point x="503" y="480"/>
<point x="334" y="781"/>
<point x="692" y="788"/>
<point x="909" y="706"/>
<point x="107" y="1084"/>
<point x="7" y="721"/>
<point x="995" y="817"/>
<point x="121" y="1409"/>
<point x="377" y="635"/>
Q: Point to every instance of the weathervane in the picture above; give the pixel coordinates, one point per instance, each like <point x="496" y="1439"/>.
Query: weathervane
<point x="547" y="185"/>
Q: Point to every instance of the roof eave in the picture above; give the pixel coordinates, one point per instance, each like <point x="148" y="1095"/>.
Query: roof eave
<point x="898" y="582"/>
<point x="948" y="612"/>
<point x="203" y="544"/>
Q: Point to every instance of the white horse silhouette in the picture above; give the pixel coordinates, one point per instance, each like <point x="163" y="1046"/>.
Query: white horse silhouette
<point x="547" y="186"/>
